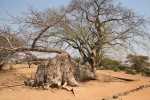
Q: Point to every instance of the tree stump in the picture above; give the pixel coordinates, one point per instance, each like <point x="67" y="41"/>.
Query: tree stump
<point x="59" y="72"/>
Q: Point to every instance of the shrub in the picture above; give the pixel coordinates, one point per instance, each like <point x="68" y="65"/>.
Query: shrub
<point x="146" y="72"/>
<point x="138" y="62"/>
<point x="130" y="71"/>
<point x="109" y="62"/>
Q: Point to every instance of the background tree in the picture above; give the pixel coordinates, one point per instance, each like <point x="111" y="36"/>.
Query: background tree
<point x="9" y="40"/>
<point x="90" y="27"/>
<point x="97" y="25"/>
<point x="138" y="62"/>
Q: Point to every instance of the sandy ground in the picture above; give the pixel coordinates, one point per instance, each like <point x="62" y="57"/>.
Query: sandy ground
<point x="105" y="86"/>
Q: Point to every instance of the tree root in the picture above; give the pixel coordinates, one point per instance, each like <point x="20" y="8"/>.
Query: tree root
<point x="69" y="89"/>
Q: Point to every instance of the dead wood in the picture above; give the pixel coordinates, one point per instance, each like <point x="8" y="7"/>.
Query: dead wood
<point x="50" y="50"/>
<point x="124" y="79"/>
<point x="10" y="86"/>
<point x="60" y="72"/>
<point x="116" y="97"/>
<point x="11" y="51"/>
<point x="119" y="78"/>
<point x="55" y="72"/>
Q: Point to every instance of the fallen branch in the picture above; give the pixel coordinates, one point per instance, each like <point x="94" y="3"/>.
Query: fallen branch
<point x="119" y="78"/>
<point x="127" y="92"/>
<point x="9" y="86"/>
<point x="125" y="79"/>
<point x="50" y="50"/>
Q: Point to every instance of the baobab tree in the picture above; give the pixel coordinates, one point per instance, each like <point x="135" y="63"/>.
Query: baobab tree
<point x="89" y="26"/>
<point x="95" y="25"/>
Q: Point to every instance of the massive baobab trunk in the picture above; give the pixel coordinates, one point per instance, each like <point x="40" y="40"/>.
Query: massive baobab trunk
<point x="56" y="72"/>
<point x="59" y="71"/>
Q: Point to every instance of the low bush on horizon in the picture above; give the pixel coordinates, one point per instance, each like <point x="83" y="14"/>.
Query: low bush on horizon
<point x="138" y="65"/>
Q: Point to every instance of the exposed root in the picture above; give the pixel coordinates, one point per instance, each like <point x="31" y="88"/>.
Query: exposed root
<point x="70" y="89"/>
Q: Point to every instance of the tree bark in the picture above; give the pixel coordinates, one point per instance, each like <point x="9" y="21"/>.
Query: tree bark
<point x="59" y="71"/>
<point x="56" y="72"/>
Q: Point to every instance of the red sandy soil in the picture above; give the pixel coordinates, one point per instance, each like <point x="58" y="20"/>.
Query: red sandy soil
<point x="104" y="86"/>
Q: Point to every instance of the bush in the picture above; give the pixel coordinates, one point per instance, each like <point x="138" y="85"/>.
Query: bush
<point x="111" y="64"/>
<point x="115" y="68"/>
<point x="146" y="72"/>
<point x="138" y="62"/>
<point x="130" y="71"/>
<point x="123" y="67"/>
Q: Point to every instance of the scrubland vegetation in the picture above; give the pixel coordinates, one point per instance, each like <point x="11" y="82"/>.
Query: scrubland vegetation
<point x="88" y="28"/>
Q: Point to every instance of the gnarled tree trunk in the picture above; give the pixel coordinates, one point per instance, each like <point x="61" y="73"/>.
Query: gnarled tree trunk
<point x="60" y="71"/>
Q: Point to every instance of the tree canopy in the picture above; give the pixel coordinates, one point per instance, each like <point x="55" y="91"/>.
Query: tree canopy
<point x="90" y="27"/>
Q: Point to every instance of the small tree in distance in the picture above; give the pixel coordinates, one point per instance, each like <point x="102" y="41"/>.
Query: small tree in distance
<point x="138" y="62"/>
<point x="8" y="40"/>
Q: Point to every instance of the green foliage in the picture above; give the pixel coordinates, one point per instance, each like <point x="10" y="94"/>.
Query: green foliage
<point x="139" y="63"/>
<point x="146" y="72"/>
<point x="130" y="71"/>
<point x="111" y="64"/>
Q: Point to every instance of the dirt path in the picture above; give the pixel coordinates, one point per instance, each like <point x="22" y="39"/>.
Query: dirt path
<point x="92" y="90"/>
